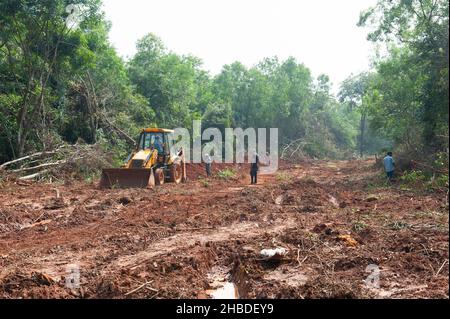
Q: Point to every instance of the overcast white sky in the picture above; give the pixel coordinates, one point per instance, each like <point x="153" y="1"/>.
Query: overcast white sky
<point x="322" y="34"/>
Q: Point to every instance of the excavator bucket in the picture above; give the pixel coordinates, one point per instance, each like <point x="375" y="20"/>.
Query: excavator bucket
<point x="127" y="178"/>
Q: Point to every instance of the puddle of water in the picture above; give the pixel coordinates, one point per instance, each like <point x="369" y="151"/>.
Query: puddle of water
<point x="227" y="291"/>
<point x="222" y="287"/>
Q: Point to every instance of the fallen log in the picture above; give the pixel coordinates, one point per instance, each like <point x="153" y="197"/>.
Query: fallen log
<point x="24" y="178"/>
<point x="39" y="166"/>
<point x="34" y="155"/>
<point x="2" y="166"/>
<point x="64" y="158"/>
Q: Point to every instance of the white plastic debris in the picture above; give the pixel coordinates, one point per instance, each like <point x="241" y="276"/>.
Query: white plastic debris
<point x="333" y="201"/>
<point x="273" y="253"/>
<point x="279" y="200"/>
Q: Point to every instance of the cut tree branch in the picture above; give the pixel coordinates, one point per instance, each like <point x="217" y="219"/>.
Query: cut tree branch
<point x="2" y="166"/>
<point x="121" y="133"/>
<point x="39" y="166"/>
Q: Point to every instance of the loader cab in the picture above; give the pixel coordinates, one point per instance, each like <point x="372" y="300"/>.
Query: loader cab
<point x="155" y="139"/>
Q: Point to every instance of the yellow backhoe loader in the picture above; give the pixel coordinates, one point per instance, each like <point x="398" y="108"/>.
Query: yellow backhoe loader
<point x="151" y="163"/>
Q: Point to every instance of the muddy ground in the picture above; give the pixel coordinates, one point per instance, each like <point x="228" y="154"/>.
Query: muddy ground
<point x="337" y="221"/>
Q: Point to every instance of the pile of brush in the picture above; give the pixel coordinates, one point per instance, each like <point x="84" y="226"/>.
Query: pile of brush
<point x="64" y="161"/>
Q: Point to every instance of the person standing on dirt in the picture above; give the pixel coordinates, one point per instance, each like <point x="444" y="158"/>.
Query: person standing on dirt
<point x="389" y="166"/>
<point x="254" y="167"/>
<point x="208" y="164"/>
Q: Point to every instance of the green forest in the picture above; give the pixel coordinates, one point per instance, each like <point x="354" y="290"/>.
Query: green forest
<point x="69" y="85"/>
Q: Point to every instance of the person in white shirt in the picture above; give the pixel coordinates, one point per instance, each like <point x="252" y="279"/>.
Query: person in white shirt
<point x="208" y="163"/>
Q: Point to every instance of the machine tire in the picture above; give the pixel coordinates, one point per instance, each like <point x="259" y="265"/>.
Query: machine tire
<point x="176" y="173"/>
<point x="159" y="176"/>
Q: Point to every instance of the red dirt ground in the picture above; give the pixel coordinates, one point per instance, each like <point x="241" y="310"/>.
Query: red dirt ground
<point x="333" y="218"/>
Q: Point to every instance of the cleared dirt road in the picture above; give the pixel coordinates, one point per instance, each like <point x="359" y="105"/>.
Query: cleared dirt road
<point x="337" y="221"/>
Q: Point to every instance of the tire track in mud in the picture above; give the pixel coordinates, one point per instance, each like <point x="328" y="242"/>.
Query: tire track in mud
<point x="185" y="240"/>
<point x="225" y="233"/>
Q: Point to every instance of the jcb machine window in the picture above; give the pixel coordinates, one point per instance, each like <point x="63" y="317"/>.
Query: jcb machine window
<point x="151" y="140"/>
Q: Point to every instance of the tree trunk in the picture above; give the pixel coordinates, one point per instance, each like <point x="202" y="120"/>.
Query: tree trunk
<point x="22" y="117"/>
<point x="362" y="132"/>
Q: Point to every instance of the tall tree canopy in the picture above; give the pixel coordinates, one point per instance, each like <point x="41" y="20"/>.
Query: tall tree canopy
<point x="62" y="81"/>
<point x="410" y="94"/>
<point x="59" y="80"/>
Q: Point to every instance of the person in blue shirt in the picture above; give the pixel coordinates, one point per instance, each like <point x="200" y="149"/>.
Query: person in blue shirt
<point x="158" y="144"/>
<point x="389" y="165"/>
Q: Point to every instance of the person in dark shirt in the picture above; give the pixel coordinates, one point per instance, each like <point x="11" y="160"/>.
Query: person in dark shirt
<point x="254" y="167"/>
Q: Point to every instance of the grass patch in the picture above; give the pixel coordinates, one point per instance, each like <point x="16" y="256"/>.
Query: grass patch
<point x="92" y="177"/>
<point x="283" y="177"/>
<point x="359" y="226"/>
<point x="397" y="225"/>
<point x="204" y="182"/>
<point x="307" y="179"/>
<point x="226" y="174"/>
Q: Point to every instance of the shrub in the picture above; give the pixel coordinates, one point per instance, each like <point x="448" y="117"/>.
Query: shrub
<point x="283" y="177"/>
<point x="413" y="177"/>
<point x="226" y="174"/>
<point x="204" y="182"/>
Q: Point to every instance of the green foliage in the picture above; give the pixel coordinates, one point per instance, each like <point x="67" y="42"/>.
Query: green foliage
<point x="355" y="94"/>
<point x="359" y="227"/>
<point x="413" y="177"/>
<point x="284" y="95"/>
<point x="60" y="84"/>
<point x="397" y="225"/>
<point x="408" y="98"/>
<point x="66" y="85"/>
<point x="283" y="177"/>
<point x="441" y="160"/>
<point x="170" y="83"/>
<point x="425" y="180"/>
<point x="440" y="182"/>
<point x="204" y="182"/>
<point x="226" y="174"/>
<point x="217" y="115"/>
